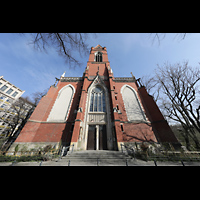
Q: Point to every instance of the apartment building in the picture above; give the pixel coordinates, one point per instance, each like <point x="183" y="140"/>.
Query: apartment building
<point x="9" y="93"/>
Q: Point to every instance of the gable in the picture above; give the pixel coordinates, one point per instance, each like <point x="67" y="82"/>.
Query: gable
<point x="97" y="81"/>
<point x="98" y="46"/>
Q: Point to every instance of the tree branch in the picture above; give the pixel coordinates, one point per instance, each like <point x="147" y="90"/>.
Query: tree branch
<point x="63" y="43"/>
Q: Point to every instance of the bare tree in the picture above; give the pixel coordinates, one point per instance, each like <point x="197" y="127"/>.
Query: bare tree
<point x="160" y="36"/>
<point x="21" y="109"/>
<point x="176" y="88"/>
<point x="36" y="96"/>
<point x="180" y="84"/>
<point x="64" y="43"/>
<point x="151" y="85"/>
<point x="19" y="112"/>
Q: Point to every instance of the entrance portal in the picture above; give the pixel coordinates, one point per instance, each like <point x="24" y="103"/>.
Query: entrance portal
<point x="97" y="137"/>
<point x="102" y="137"/>
<point x="91" y="144"/>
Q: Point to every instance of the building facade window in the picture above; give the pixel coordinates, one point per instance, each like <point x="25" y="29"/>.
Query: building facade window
<point x="9" y="100"/>
<point x="9" y="91"/>
<point x="98" y="57"/>
<point x="97" y="100"/>
<point x="3" y="105"/>
<point x="3" y="97"/>
<point x="14" y="94"/>
<point x="3" y="88"/>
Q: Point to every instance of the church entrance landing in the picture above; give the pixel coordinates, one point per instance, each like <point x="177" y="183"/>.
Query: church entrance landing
<point x="97" y="137"/>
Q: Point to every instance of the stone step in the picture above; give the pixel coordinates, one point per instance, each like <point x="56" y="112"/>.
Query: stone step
<point x="98" y="154"/>
<point x="95" y="162"/>
<point x="79" y="158"/>
<point x="105" y="162"/>
<point x="96" y="158"/>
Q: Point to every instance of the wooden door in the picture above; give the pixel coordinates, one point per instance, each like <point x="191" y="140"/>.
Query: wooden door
<point x="102" y="137"/>
<point x="91" y="143"/>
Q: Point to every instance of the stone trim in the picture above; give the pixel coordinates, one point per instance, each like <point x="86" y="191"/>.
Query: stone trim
<point x="71" y="79"/>
<point x="124" y="79"/>
<point x="49" y="122"/>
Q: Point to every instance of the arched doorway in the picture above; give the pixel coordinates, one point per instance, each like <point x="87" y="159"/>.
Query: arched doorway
<point x="97" y="137"/>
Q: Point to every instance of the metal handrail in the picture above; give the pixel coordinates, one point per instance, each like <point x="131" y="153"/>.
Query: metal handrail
<point x="62" y="151"/>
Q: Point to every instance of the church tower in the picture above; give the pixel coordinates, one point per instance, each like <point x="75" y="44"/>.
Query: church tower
<point x="95" y="112"/>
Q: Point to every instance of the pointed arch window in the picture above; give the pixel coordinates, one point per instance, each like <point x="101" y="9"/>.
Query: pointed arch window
<point x="61" y="107"/>
<point x="98" y="57"/>
<point x="133" y="109"/>
<point x="97" y="100"/>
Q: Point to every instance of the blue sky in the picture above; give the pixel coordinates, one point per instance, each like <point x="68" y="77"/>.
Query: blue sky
<point x="33" y="71"/>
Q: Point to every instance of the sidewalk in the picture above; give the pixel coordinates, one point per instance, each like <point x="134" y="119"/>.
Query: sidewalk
<point x="132" y="163"/>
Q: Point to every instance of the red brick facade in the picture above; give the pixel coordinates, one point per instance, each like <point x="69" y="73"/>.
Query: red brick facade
<point x="74" y="129"/>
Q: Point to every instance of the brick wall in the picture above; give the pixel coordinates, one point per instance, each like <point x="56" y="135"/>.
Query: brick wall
<point x="159" y="125"/>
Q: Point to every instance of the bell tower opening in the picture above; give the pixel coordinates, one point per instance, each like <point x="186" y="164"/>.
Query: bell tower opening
<point x="98" y="57"/>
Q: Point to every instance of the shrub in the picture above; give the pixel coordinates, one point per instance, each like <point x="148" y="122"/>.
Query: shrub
<point x="47" y="148"/>
<point x="16" y="149"/>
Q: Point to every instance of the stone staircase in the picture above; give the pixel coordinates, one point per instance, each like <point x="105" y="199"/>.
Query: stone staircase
<point x="96" y="158"/>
